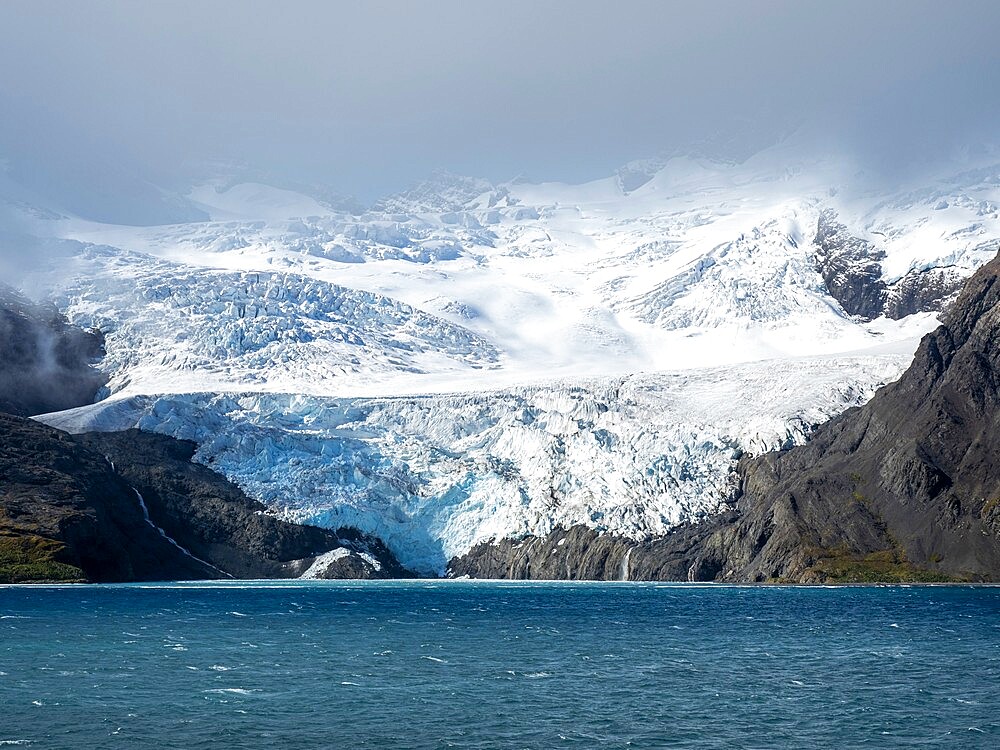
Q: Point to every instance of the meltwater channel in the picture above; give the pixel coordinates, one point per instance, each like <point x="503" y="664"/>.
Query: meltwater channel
<point x="428" y="664"/>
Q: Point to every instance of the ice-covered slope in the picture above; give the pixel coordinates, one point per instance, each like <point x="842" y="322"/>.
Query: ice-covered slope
<point x="702" y="264"/>
<point x="281" y="334"/>
<point x="433" y="475"/>
<point x="174" y="327"/>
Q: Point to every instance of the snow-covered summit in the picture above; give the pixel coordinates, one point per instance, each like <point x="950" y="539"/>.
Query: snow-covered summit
<point x="442" y="193"/>
<point x="702" y="264"/>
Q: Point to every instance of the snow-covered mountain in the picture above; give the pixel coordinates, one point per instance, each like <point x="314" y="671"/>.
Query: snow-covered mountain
<point x="614" y="346"/>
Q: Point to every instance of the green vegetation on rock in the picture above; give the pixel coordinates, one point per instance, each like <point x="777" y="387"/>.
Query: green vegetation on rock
<point x="886" y="566"/>
<point x="28" y="558"/>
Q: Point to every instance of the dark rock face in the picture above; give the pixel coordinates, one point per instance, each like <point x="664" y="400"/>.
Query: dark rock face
<point x="906" y="487"/>
<point x="217" y="522"/>
<point x="580" y="554"/>
<point x="65" y="515"/>
<point x="913" y="475"/>
<point x="45" y="364"/>
<point x="852" y="270"/>
<point x="69" y="510"/>
<point x="920" y="291"/>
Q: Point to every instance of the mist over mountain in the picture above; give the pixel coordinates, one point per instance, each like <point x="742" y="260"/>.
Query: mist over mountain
<point x="112" y="110"/>
<point x="45" y="364"/>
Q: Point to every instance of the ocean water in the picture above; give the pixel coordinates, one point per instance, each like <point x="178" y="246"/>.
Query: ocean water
<point x="498" y="665"/>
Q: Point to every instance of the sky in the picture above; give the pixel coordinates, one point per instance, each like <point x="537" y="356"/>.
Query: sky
<point x="105" y="102"/>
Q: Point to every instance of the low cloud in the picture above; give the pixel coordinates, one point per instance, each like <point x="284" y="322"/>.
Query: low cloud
<point x="45" y="365"/>
<point x="105" y="99"/>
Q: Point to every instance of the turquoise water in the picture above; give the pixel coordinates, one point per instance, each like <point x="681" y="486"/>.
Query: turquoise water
<point x="494" y="665"/>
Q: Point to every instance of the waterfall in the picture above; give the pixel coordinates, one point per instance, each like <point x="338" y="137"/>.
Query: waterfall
<point x="161" y="532"/>
<point x="624" y="572"/>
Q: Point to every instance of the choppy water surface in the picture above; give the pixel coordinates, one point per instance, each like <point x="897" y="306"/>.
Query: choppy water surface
<point x="494" y="665"/>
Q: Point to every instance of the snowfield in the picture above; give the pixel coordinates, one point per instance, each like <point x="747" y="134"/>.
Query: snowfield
<point x="183" y="327"/>
<point x="465" y="361"/>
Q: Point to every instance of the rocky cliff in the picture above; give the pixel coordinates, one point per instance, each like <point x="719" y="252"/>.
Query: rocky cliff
<point x="131" y="506"/>
<point x="906" y="487"/>
<point x="217" y="522"/>
<point x="851" y="268"/>
<point x="66" y="515"/>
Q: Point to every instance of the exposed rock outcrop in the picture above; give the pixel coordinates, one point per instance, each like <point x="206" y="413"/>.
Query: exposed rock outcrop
<point x="906" y="487"/>
<point x="132" y="506"/>
<point x="921" y="291"/>
<point x="582" y="554"/>
<point x="912" y="476"/>
<point x="219" y="523"/>
<point x="851" y="268"/>
<point x="66" y="515"/>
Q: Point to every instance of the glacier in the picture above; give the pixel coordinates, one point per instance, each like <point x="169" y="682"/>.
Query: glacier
<point x="465" y="361"/>
<point x="433" y="475"/>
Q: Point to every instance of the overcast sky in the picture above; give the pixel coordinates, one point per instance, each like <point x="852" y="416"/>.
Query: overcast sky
<point x="366" y="97"/>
